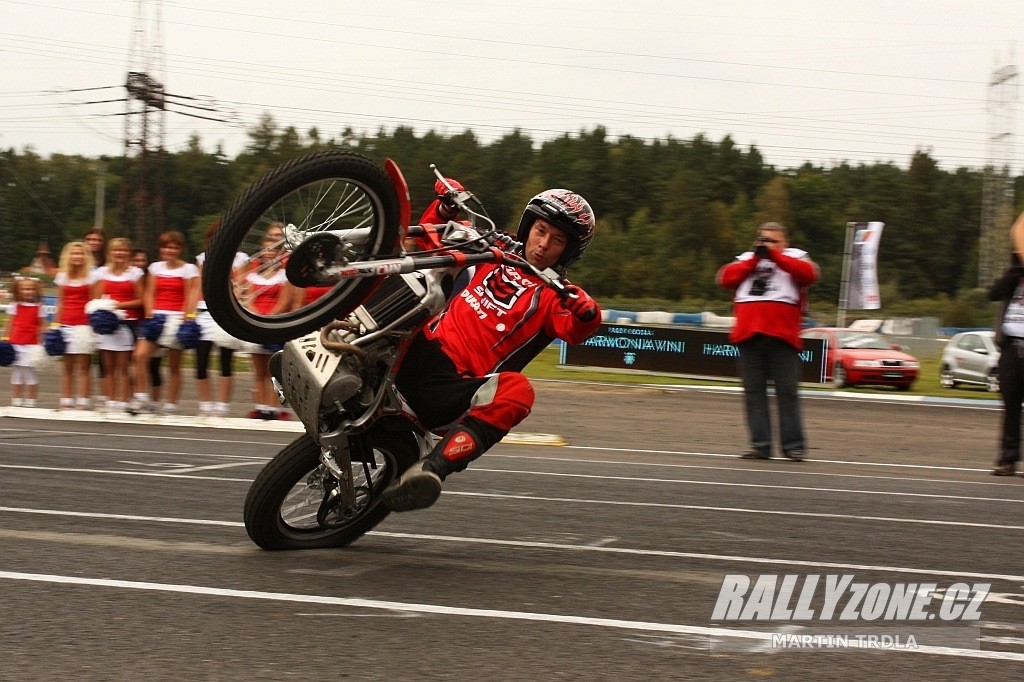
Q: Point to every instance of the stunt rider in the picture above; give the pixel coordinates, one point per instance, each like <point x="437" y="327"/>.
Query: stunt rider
<point x="462" y="375"/>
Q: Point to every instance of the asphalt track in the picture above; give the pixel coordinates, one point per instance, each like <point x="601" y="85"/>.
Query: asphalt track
<point x="123" y="557"/>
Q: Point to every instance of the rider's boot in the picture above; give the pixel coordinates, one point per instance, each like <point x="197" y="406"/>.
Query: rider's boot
<point x="420" y="485"/>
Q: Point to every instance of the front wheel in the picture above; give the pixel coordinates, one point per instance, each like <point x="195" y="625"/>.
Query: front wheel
<point x="992" y="382"/>
<point x="341" y="206"/>
<point x="289" y="505"/>
<point x="946" y="379"/>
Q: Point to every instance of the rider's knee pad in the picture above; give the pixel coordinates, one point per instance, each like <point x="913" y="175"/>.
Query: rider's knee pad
<point x="503" y="401"/>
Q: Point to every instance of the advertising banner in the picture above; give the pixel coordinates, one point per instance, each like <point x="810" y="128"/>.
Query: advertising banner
<point x="863" y="285"/>
<point x="671" y="350"/>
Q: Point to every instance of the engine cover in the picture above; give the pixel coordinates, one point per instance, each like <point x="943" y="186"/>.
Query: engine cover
<point x="314" y="379"/>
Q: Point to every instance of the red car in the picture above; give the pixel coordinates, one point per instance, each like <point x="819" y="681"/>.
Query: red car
<point x="857" y="358"/>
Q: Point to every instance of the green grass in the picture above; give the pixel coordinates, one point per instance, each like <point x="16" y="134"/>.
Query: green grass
<point x="546" y="366"/>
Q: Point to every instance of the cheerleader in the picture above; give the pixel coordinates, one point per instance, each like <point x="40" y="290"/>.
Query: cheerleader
<point x="121" y="282"/>
<point x="169" y="292"/>
<point x="74" y="287"/>
<point x="25" y="320"/>
<point x="210" y="334"/>
<point x="263" y="288"/>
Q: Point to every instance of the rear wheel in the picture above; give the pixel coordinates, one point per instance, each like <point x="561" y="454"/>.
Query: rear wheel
<point x="839" y="379"/>
<point x="292" y="503"/>
<point x="323" y="209"/>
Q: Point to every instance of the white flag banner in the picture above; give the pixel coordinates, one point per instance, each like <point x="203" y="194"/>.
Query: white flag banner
<point x="863" y="286"/>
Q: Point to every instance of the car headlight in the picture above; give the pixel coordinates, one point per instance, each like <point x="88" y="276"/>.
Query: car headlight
<point x="867" y="364"/>
<point x="912" y="365"/>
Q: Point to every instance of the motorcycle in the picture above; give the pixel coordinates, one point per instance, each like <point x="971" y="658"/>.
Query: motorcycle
<point x="338" y="224"/>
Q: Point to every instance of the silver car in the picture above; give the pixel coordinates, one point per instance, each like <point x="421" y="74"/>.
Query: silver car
<point x="971" y="358"/>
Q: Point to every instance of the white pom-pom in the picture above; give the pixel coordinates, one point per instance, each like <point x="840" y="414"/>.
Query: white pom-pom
<point x="222" y="339"/>
<point x="169" y="336"/>
<point x="101" y="304"/>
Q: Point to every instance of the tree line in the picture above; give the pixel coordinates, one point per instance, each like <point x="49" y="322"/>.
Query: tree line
<point x="670" y="211"/>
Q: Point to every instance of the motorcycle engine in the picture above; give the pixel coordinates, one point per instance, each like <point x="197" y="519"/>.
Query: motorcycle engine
<point x="315" y="380"/>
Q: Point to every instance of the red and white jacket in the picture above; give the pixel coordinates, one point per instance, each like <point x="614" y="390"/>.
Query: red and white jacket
<point x="502" y="320"/>
<point x="777" y="311"/>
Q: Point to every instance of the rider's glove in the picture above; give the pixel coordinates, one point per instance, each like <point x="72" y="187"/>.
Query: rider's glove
<point x="579" y="303"/>
<point x="445" y="195"/>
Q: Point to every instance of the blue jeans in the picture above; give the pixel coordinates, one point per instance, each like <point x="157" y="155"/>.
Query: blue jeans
<point x="764" y="358"/>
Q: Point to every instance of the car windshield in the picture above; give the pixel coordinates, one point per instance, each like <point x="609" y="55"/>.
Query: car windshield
<point x="862" y="340"/>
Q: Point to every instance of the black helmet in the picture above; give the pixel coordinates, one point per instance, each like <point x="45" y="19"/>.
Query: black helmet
<point x="568" y="212"/>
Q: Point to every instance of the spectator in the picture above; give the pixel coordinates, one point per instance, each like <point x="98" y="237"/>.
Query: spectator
<point x="169" y="293"/>
<point x="140" y="259"/>
<point x="121" y="282"/>
<point x="25" y="319"/>
<point x="1009" y="328"/>
<point x="94" y="241"/>
<point x="74" y="286"/>
<point x="770" y="285"/>
<point x="209" y="329"/>
<point x="263" y="288"/>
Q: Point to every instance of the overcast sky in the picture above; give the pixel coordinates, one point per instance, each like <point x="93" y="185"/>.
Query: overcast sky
<point x="815" y="80"/>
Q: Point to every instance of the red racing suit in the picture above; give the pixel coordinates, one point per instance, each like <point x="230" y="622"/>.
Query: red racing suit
<point x="466" y="365"/>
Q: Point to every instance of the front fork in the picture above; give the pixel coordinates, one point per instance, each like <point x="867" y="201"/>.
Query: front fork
<point x="338" y="460"/>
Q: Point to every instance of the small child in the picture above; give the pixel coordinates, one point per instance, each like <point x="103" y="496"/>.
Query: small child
<point x="24" y="328"/>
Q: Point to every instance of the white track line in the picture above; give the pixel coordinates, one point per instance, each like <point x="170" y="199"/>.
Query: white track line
<point x="739" y="510"/>
<point x="556" y="546"/>
<point x="437" y="609"/>
<point x="789" y="471"/>
<point x="569" y="447"/>
<point x="760" y="471"/>
<point x="626" y="479"/>
<point x="567" y="500"/>
<point x="733" y="456"/>
<point x="730" y="484"/>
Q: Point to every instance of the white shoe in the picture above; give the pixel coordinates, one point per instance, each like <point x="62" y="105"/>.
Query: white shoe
<point x="137" y="406"/>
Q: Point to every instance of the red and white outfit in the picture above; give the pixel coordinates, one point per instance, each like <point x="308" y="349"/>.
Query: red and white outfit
<point x="120" y="288"/>
<point x="265" y="290"/>
<point x="74" y="322"/>
<point x="207" y="325"/>
<point x="170" y="286"/>
<point x="778" y="310"/>
<point x="27" y="321"/>
<point x="466" y="366"/>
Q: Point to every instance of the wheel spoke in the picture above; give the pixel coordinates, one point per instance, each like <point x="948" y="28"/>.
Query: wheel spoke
<point x="338" y="192"/>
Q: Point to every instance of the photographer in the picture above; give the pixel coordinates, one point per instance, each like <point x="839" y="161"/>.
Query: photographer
<point x="771" y="294"/>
